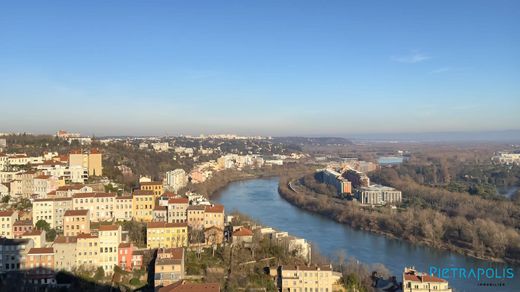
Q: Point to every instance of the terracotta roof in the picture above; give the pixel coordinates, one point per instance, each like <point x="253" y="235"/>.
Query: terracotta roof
<point x="43" y="176"/>
<point x="70" y="187"/>
<point x="151" y="183"/>
<point x="53" y="193"/>
<point x="165" y="225"/>
<point x="143" y="193"/>
<point x="86" y="235"/>
<point x="66" y="239"/>
<point x="421" y="277"/>
<point x="197" y="207"/>
<point x="174" y="252"/>
<point x="108" y="227"/>
<point x="76" y="213"/>
<point x="94" y="195"/>
<point x="40" y="250"/>
<point x="243" y="232"/>
<point x="215" y="209"/>
<point x="308" y="268"/>
<point x="178" y="201"/>
<point x="160" y="208"/>
<point x="123" y="197"/>
<point x="125" y="245"/>
<point x="183" y="286"/>
<point x="53" y="199"/>
<point x="75" y="151"/>
<point x="32" y="232"/>
<point x="7" y="213"/>
<point x="23" y="222"/>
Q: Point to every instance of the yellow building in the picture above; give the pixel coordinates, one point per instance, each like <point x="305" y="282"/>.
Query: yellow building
<point x="414" y="281"/>
<point x="166" y="235"/>
<point x="155" y="186"/>
<point x="304" y="278"/>
<point x="214" y="216"/>
<point x="143" y="203"/>
<point x="76" y="222"/>
<point x="95" y="163"/>
<point x="109" y="240"/>
<point x="87" y="248"/>
<point x="92" y="161"/>
<point x="195" y="216"/>
<point x="7" y="219"/>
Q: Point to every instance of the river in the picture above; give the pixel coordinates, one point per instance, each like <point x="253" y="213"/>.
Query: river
<point x="259" y="199"/>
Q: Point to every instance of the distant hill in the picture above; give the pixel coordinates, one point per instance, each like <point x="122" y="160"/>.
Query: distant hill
<point x="313" y="140"/>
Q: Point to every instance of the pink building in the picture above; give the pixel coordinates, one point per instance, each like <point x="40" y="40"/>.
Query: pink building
<point x="124" y="256"/>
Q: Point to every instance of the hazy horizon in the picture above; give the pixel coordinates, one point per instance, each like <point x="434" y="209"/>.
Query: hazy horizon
<point x="271" y="68"/>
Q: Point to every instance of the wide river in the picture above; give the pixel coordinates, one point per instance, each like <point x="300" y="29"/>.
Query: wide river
<point x="259" y="199"/>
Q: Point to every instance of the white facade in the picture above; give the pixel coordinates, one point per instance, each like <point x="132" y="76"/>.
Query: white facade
<point x="176" y="179"/>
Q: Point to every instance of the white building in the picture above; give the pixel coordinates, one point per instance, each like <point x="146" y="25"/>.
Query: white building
<point x="378" y="195"/>
<point x="176" y="179"/>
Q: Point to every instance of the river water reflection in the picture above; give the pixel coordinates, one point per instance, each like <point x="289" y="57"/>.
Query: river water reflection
<point x="259" y="199"/>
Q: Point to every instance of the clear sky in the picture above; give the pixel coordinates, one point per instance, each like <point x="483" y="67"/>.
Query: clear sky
<point x="259" y="67"/>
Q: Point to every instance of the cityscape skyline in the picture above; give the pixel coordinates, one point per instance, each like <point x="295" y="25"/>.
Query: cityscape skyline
<point x="269" y="68"/>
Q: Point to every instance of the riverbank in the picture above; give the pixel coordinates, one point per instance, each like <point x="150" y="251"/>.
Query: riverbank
<point x="375" y="221"/>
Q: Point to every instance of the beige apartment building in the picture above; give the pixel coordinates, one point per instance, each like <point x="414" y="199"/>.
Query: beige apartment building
<point x="64" y="252"/>
<point x="87" y="250"/>
<point x="51" y="210"/>
<point x="214" y="216"/>
<point x="93" y="161"/>
<point x="76" y="222"/>
<point x="306" y="278"/>
<point x="177" y="208"/>
<point x="169" y="266"/>
<point x="123" y="208"/>
<point x="7" y="220"/>
<point x="109" y="240"/>
<point x="100" y="205"/>
<point x="195" y="216"/>
<point x="414" y="281"/>
<point x="37" y="236"/>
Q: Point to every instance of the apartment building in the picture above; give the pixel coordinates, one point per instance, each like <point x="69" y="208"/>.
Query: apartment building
<point x="27" y="182"/>
<point x="306" y="278"/>
<point x="169" y="266"/>
<point x="155" y="186"/>
<point x="7" y="221"/>
<point x="123" y="208"/>
<point x="160" y="213"/>
<point x="414" y="281"/>
<point x="124" y="256"/>
<point x="143" y="203"/>
<point x="109" y="240"/>
<point x="76" y="222"/>
<point x="378" y="195"/>
<point x="92" y="161"/>
<point x="177" y="210"/>
<point x="65" y="252"/>
<point x="335" y="179"/>
<point x="70" y="190"/>
<point x="37" y="236"/>
<point x="166" y="235"/>
<point x="195" y="216"/>
<point x="51" y="210"/>
<point x="12" y="254"/>
<point x="87" y="249"/>
<point x="214" y="216"/>
<point x="44" y="184"/>
<point x="22" y="226"/>
<point x="176" y="179"/>
<point x="39" y="265"/>
<point x="100" y="205"/>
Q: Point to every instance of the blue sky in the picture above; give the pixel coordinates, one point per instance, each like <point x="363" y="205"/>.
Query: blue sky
<point x="259" y="67"/>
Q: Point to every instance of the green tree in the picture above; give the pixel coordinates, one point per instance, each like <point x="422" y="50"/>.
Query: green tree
<point x="43" y="225"/>
<point x="100" y="274"/>
<point x="50" y="235"/>
<point x="6" y="199"/>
